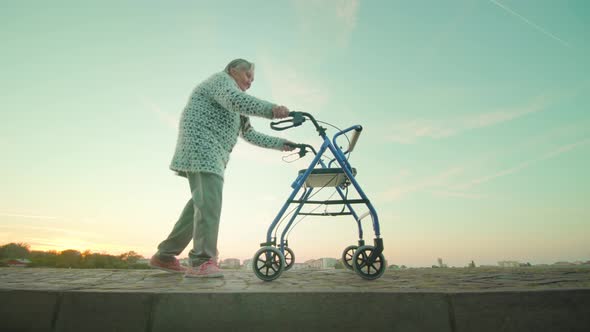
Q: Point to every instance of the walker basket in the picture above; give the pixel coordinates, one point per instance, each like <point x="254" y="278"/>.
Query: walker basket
<point x="326" y="177"/>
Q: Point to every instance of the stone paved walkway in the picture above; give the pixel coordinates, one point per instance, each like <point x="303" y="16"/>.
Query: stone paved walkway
<point x="408" y="280"/>
<point x="455" y="299"/>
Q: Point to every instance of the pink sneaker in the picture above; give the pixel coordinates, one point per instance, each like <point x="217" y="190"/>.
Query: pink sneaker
<point x="209" y="269"/>
<point x="173" y="266"/>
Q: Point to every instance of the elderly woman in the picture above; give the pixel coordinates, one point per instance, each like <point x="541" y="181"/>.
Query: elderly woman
<point x="217" y="112"/>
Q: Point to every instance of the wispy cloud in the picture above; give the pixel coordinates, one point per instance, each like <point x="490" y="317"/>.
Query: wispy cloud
<point x="459" y="194"/>
<point x="447" y="31"/>
<point x="289" y="85"/>
<point x="27" y="216"/>
<point x="529" y="22"/>
<point x="168" y="119"/>
<point x="51" y="230"/>
<point x="522" y="165"/>
<point x="347" y="11"/>
<point x="322" y="28"/>
<point x="413" y="130"/>
<point x="437" y="180"/>
<point x="502" y="115"/>
<point x="326" y="21"/>
<point x="454" y="182"/>
<point x="67" y="243"/>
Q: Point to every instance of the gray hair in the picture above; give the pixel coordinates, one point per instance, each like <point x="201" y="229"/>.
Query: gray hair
<point x="239" y="64"/>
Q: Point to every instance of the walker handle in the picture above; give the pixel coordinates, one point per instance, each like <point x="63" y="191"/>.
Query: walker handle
<point x="355" y="137"/>
<point x="296" y="120"/>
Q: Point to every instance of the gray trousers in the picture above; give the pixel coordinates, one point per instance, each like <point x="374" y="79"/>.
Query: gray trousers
<point x="199" y="221"/>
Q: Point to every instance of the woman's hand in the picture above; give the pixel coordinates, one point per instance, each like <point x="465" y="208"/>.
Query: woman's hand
<point x="289" y="146"/>
<point x="279" y="112"/>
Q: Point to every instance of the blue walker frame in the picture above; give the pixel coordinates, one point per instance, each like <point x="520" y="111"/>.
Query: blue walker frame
<point x="340" y="157"/>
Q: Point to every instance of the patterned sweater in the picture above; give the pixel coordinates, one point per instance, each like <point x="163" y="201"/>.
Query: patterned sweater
<point x="216" y="113"/>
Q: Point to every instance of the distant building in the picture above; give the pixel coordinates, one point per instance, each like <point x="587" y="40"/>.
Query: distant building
<point x="328" y="263"/>
<point x="508" y="264"/>
<point x="321" y="264"/>
<point x="230" y="263"/>
<point x="247" y="264"/>
<point x="563" y="264"/>
<point x="299" y="266"/>
<point x="314" y="264"/>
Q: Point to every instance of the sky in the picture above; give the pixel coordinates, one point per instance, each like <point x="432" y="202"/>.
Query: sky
<point x="475" y="113"/>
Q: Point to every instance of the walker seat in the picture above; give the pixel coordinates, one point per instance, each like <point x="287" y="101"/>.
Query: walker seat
<point x="326" y="177"/>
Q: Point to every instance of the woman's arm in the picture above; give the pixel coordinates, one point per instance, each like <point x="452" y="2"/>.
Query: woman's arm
<point x="229" y="96"/>
<point x="256" y="138"/>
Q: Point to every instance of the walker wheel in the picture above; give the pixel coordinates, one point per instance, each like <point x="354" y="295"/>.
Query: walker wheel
<point x="268" y="264"/>
<point x="289" y="258"/>
<point x="364" y="268"/>
<point x="347" y="255"/>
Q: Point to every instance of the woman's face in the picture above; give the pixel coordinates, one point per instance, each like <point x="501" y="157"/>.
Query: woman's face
<point x="243" y="77"/>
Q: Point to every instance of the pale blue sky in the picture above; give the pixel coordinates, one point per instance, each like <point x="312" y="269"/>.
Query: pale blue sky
<point x="476" y="122"/>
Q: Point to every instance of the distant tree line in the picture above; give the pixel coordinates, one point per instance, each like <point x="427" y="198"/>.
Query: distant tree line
<point x="70" y="258"/>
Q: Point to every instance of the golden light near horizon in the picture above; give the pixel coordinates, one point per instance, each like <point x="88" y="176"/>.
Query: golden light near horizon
<point x="475" y="141"/>
<point x="62" y="244"/>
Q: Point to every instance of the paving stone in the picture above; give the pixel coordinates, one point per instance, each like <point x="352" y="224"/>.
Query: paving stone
<point x="453" y="299"/>
<point x="425" y="279"/>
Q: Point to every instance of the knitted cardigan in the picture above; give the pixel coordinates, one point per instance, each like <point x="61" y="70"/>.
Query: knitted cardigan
<point x="216" y="113"/>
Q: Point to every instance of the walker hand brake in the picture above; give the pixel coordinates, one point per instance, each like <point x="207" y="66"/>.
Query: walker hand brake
<point x="302" y="148"/>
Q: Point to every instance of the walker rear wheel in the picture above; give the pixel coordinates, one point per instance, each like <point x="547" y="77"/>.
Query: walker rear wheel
<point x="289" y="258"/>
<point x="347" y="255"/>
<point x="268" y="263"/>
<point x="366" y="269"/>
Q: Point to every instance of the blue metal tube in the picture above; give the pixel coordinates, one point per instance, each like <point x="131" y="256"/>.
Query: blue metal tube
<point x="344" y="163"/>
<point x="354" y="215"/>
<point x="286" y="229"/>
<point x="301" y="178"/>
<point x="297" y="184"/>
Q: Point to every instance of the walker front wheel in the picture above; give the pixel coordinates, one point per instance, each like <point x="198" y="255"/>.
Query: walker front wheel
<point x="364" y="266"/>
<point x="268" y="263"/>
<point x="347" y="255"/>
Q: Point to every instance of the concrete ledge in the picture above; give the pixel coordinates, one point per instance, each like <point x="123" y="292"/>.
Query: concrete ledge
<point x="552" y="310"/>
<point x="303" y="312"/>
<point x="22" y="310"/>
<point x="91" y="311"/>
<point x="456" y="300"/>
